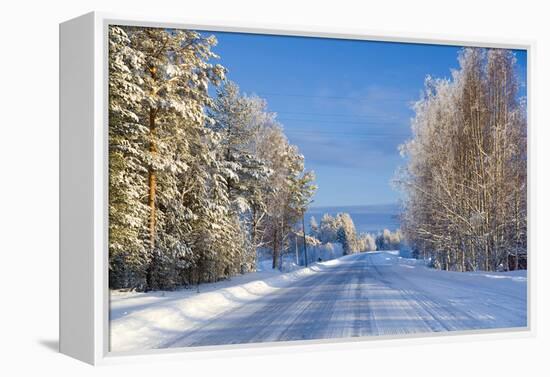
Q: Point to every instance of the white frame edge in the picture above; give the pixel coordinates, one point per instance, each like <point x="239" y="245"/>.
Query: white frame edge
<point x="76" y="198"/>
<point x="84" y="294"/>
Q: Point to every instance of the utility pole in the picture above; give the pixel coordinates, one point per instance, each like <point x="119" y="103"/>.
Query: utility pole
<point x="304" y="234"/>
<point x="296" y="248"/>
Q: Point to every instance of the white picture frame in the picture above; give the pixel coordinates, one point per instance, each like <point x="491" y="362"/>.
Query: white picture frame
<point x="84" y="298"/>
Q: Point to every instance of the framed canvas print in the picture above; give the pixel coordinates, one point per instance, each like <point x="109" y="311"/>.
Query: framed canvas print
<point x="226" y="187"/>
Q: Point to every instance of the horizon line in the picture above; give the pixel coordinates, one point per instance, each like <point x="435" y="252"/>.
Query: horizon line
<point x="356" y="205"/>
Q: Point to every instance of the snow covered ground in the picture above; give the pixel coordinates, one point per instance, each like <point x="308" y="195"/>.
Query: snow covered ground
<point x="363" y="294"/>
<point x="141" y="321"/>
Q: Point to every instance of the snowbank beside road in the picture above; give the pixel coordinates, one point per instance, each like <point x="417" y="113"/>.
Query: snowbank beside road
<point x="374" y="293"/>
<point x="146" y="320"/>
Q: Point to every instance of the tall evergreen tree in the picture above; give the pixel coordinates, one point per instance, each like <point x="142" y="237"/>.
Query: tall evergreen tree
<point x="195" y="184"/>
<point x="127" y="251"/>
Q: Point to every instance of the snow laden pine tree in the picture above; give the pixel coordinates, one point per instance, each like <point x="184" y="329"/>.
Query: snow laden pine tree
<point x="169" y="70"/>
<point x="195" y="184"/>
<point x="265" y="179"/>
<point x="237" y="121"/>
<point x="175" y="78"/>
<point x="127" y="175"/>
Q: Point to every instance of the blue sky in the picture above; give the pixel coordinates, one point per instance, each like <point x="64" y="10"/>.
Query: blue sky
<point x="345" y="104"/>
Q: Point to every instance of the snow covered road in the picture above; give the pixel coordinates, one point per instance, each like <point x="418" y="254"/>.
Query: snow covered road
<point x="368" y="294"/>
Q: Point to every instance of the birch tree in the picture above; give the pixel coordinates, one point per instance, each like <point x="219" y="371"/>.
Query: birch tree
<point x="465" y="181"/>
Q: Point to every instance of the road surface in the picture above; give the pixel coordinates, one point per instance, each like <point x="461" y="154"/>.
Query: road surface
<point x="369" y="294"/>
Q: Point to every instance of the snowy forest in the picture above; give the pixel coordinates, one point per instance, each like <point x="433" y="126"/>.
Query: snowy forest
<point x="367" y="198"/>
<point x="341" y="229"/>
<point x="465" y="181"/>
<point x="203" y="179"/>
<point x="198" y="181"/>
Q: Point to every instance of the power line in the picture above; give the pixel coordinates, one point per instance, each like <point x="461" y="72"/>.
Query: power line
<point x="339" y="121"/>
<point x="333" y="114"/>
<point x="351" y="135"/>
<point x="336" y="97"/>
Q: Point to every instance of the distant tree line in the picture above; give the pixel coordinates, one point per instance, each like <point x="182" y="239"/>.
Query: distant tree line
<point x="466" y="177"/>
<point x="341" y="229"/>
<point x="388" y="240"/>
<point x="197" y="182"/>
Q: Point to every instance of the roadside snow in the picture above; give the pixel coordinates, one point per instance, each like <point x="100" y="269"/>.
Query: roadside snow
<point x="374" y="293"/>
<point x="146" y="320"/>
